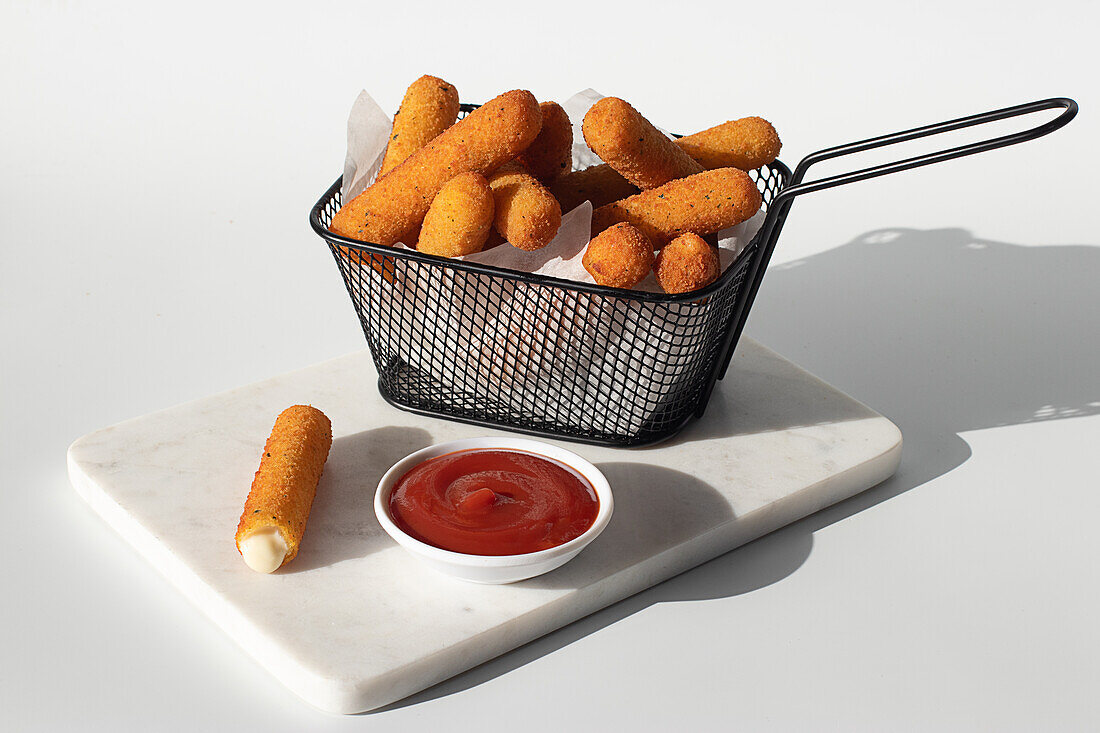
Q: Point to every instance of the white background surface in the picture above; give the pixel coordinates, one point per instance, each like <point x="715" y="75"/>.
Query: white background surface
<point x="158" y="168"/>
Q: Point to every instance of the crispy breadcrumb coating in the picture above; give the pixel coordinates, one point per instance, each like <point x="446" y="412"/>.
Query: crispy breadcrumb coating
<point x="686" y="263"/>
<point x="630" y="144"/>
<point x="619" y="257"/>
<point x="551" y="154"/>
<point x="460" y="217"/>
<point x="703" y="203"/>
<point x="391" y="209"/>
<point x="286" y="481"/>
<point x="430" y="106"/>
<point x="747" y="144"/>
<point x="526" y="214"/>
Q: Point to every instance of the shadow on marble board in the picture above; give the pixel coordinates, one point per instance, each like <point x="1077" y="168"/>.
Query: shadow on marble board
<point x="342" y="525"/>
<point x="647" y="517"/>
<point x="938" y="330"/>
<point x="766" y="395"/>
<point x="748" y="568"/>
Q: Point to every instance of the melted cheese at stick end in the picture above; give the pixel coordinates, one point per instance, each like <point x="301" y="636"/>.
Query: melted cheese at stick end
<point x="264" y="549"/>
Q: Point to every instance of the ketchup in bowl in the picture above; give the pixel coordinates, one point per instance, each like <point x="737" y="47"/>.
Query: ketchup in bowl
<point x="493" y="502"/>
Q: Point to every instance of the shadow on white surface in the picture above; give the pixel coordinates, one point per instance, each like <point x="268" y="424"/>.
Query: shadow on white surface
<point x="939" y="328"/>
<point x="939" y="331"/>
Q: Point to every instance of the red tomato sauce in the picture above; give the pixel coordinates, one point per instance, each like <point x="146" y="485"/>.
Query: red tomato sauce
<point x="493" y="502"/>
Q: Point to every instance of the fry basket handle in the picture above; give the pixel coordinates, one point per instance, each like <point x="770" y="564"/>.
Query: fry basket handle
<point x="780" y="206"/>
<point x="797" y="187"/>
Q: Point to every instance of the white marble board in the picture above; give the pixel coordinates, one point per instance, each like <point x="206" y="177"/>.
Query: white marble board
<point x="354" y="622"/>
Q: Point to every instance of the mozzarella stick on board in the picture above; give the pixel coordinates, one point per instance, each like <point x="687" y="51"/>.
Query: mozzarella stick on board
<point x="392" y="208"/>
<point x="277" y="507"/>
<point x="704" y="203"/>
<point x="630" y="144"/>
<point x="430" y="106"/>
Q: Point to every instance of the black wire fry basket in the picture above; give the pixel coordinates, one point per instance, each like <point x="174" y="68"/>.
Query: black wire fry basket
<point x="565" y="359"/>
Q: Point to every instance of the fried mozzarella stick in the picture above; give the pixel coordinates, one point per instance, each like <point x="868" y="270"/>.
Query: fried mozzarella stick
<point x="278" y="504"/>
<point x="551" y="154"/>
<point x="686" y="263"/>
<point x="600" y="184"/>
<point x="430" y="106"/>
<point x="747" y="144"/>
<point x="619" y="257"/>
<point x="459" y="220"/>
<point x="391" y="209"/>
<point x="526" y="214"/>
<point x="631" y="145"/>
<point x="704" y="203"/>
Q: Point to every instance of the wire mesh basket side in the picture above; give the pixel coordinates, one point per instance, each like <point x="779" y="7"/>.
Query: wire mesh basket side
<point x="549" y="358"/>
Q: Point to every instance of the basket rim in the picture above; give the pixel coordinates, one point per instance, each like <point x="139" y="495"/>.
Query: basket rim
<point x="477" y="267"/>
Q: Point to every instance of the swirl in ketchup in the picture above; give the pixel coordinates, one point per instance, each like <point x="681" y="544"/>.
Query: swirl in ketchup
<point x="493" y="502"/>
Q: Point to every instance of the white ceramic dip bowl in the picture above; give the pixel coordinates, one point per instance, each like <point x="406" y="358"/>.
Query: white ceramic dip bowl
<point x="494" y="569"/>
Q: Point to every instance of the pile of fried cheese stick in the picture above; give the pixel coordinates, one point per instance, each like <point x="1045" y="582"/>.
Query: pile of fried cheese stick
<point x="503" y="175"/>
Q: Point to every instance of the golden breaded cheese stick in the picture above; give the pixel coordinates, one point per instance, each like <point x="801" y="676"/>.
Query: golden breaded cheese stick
<point x="704" y="203"/>
<point x="460" y="218"/>
<point x="430" y="106"/>
<point x="395" y="205"/>
<point x="747" y="144"/>
<point x="619" y="257"/>
<point x="686" y="263"/>
<point x="275" y="513"/>
<point x="630" y="144"/>
<point x="526" y="214"/>
<point x="551" y="154"/>
<point x="600" y="184"/>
